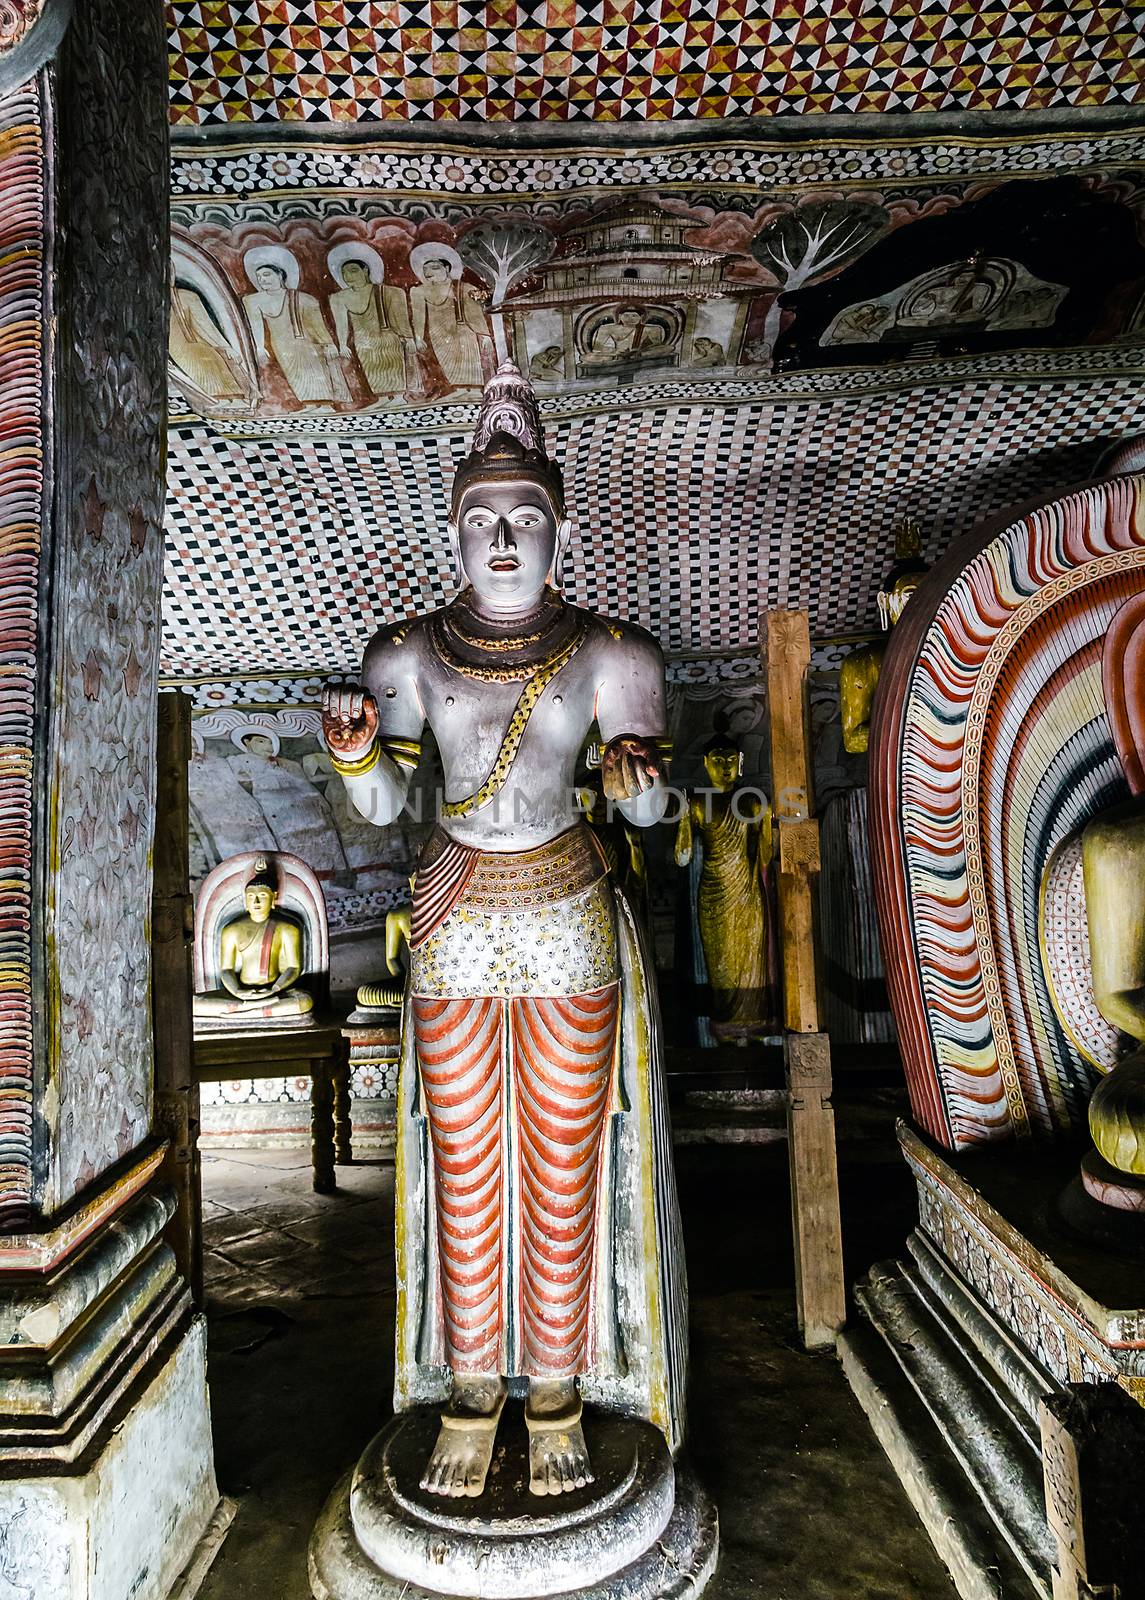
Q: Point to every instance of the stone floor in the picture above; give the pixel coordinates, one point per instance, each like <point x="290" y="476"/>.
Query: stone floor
<point x="301" y="1302"/>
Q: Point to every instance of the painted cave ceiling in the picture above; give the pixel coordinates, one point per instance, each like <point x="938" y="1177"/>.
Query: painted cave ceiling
<point x="758" y="341"/>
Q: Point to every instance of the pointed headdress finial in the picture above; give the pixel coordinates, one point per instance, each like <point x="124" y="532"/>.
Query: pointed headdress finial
<point x="509" y="441"/>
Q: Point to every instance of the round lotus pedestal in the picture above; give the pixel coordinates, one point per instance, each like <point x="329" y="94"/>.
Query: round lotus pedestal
<point x="644" y="1528"/>
<point x="1120" y="1190"/>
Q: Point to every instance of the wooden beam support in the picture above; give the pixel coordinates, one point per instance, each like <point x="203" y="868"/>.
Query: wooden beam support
<point x="815" y="1218"/>
<point x="821" y="1300"/>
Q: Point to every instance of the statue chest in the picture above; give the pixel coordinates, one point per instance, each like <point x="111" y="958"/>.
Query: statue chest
<point x="472" y="720"/>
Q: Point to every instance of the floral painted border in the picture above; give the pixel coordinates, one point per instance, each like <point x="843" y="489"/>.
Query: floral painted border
<point x="276" y="168"/>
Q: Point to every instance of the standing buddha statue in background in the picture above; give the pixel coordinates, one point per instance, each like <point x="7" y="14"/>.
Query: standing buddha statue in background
<point x="735" y="835"/>
<point x="859" y="673"/>
<point x="531" y="1025"/>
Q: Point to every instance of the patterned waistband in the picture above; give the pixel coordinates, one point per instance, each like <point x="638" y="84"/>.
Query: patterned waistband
<point x="496" y="880"/>
<point x="565" y="866"/>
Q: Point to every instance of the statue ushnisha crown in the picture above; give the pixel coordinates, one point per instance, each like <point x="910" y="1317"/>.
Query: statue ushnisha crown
<point x="509" y="441"/>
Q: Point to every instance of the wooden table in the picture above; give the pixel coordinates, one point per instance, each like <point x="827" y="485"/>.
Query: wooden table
<point x="319" y="1052"/>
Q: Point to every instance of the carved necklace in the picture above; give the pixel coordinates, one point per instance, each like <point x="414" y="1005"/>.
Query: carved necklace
<point x="470" y="627"/>
<point x="460" y="633"/>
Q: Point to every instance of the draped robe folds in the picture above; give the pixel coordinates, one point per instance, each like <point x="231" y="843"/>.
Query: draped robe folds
<point x="732" y="914"/>
<point x="635" y="1356"/>
<point x="300" y="342"/>
<point x="377" y="329"/>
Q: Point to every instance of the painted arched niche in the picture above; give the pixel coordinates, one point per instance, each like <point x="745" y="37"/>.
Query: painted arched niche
<point x="990" y="747"/>
<point x="211" y="356"/>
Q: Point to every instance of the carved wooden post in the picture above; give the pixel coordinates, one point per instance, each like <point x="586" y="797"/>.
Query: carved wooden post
<point x="172" y="930"/>
<point x="1093" y="1438"/>
<point x="106" y="1468"/>
<point x="816" y="1228"/>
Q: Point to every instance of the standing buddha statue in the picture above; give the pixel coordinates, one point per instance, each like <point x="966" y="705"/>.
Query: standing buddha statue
<point x="735" y="836"/>
<point x="859" y="673"/>
<point x="1113" y="867"/>
<point x="531" y="1012"/>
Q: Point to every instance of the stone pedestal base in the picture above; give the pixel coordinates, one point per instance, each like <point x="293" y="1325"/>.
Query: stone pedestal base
<point x="1002" y="1300"/>
<point x="643" y="1529"/>
<point x="125" y="1522"/>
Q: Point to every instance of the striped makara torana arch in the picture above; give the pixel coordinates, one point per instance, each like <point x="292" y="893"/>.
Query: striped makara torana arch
<point x="990" y="746"/>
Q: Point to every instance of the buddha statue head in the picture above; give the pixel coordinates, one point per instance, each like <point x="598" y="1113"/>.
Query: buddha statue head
<point x="507" y="526"/>
<point x="723" y="758"/>
<point x="261" y="893"/>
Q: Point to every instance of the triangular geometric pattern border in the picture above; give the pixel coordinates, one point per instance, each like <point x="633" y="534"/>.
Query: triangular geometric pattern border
<point x="648" y="60"/>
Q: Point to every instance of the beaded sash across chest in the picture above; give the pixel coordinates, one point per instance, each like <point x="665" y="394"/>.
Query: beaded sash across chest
<point x="532" y="654"/>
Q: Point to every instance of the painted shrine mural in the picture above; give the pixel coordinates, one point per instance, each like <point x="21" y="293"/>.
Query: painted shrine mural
<point x="1046" y="262"/>
<point x="337" y="302"/>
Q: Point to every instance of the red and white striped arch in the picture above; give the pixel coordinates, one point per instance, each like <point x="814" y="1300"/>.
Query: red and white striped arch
<point x="991" y="744"/>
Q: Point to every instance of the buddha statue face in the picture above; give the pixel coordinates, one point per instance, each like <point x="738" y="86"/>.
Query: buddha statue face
<point x="260" y="900"/>
<point x="722" y="766"/>
<point x="507" y="535"/>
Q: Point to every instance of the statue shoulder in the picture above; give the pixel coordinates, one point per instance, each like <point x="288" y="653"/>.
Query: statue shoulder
<point x="633" y="640"/>
<point x="1121" y="828"/>
<point x="864" y="660"/>
<point x="395" y="641"/>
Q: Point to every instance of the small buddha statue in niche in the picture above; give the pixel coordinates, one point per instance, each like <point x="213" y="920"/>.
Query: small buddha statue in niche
<point x="389" y="996"/>
<point x="260" y="961"/>
<point x="859" y="673"/>
<point x="735" y="834"/>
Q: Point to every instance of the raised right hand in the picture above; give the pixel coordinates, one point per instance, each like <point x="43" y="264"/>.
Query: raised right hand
<point x="349" y="720"/>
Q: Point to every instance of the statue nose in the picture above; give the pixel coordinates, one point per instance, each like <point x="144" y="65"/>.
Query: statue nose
<point x="503" y="539"/>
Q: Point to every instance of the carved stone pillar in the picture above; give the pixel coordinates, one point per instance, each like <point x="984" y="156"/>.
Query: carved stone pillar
<point x="106" y="1468"/>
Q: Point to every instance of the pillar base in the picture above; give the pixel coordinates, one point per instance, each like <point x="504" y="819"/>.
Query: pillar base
<point x="644" y="1529"/>
<point x="124" y="1522"/>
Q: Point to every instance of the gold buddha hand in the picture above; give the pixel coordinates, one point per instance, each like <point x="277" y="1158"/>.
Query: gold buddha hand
<point x="1117" y="1115"/>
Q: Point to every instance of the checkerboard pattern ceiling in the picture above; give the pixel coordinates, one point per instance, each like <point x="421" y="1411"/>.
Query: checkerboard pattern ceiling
<point x="648" y="60"/>
<point x="284" y="554"/>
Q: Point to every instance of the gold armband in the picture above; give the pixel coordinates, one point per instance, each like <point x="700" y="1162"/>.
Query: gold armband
<point x="402" y="752"/>
<point x="355" y="769"/>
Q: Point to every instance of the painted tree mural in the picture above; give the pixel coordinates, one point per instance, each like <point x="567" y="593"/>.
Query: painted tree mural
<point x="502" y="252"/>
<point x="807" y="243"/>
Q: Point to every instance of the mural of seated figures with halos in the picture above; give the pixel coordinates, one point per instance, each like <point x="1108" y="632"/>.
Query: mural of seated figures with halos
<point x="538" y="1235"/>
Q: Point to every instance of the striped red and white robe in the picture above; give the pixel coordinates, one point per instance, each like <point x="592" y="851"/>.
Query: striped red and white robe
<point x="538" y="1231"/>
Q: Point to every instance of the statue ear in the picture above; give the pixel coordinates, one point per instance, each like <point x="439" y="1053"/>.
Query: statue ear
<point x="564" y="534"/>
<point x="455" y="549"/>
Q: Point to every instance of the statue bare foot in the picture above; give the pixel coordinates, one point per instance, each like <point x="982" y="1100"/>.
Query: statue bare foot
<point x="558" y="1459"/>
<point x="460" y="1461"/>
